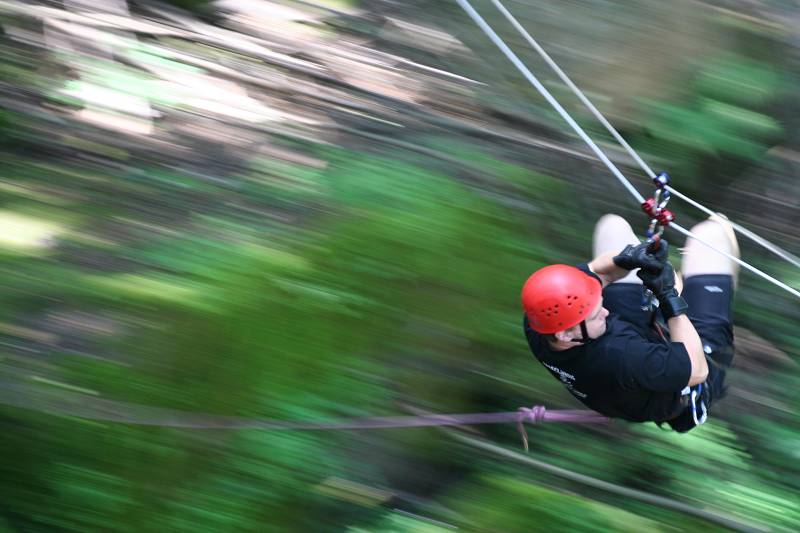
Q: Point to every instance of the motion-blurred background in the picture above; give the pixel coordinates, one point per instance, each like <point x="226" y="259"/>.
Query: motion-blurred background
<point x="305" y="210"/>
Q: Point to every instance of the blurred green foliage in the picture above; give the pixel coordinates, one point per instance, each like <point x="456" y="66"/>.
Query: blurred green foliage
<point x="512" y="504"/>
<point x="724" y="121"/>
<point x="197" y="5"/>
<point x="355" y="285"/>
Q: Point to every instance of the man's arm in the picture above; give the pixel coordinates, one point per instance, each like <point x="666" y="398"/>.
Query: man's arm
<point x="682" y="330"/>
<point x="674" y="308"/>
<point x="603" y="265"/>
<point x="611" y="267"/>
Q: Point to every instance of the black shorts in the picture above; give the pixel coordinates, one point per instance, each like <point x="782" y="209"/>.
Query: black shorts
<point x="710" y="299"/>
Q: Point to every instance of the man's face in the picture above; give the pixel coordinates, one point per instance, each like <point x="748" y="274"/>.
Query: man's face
<point x="596" y="322"/>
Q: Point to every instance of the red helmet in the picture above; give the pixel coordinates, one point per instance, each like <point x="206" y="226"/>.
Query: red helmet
<point x="558" y="297"/>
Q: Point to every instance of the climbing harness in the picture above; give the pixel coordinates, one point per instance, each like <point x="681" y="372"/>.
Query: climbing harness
<point x="484" y="26"/>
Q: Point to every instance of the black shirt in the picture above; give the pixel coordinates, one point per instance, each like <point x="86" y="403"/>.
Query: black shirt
<point x="622" y="373"/>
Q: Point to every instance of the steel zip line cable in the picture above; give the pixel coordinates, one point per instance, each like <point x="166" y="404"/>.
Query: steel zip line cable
<point x="466" y="6"/>
<point x="621" y="140"/>
<point x="484" y="26"/>
<point x="749" y="267"/>
<point x="775" y="249"/>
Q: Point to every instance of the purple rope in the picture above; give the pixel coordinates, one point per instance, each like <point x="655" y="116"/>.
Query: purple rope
<point x="538" y="413"/>
<point x="93" y="408"/>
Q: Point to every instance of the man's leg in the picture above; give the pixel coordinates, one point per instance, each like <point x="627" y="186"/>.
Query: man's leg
<point x="709" y="283"/>
<point x="612" y="233"/>
<point x="623" y="297"/>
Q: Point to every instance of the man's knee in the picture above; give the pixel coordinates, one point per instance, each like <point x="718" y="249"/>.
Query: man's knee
<point x="611" y="234"/>
<point x="701" y="259"/>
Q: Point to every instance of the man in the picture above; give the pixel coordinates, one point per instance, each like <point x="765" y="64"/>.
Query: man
<point x="586" y="325"/>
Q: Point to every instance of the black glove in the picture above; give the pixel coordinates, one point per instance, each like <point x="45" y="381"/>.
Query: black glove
<point x="639" y="257"/>
<point x="663" y="286"/>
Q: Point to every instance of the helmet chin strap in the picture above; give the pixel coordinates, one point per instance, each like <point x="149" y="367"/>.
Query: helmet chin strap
<point x="584" y="338"/>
